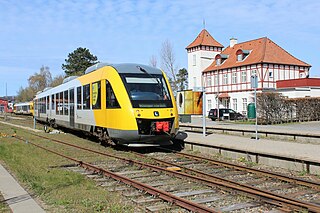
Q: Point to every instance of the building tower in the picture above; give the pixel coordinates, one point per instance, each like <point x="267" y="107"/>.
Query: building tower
<point x="201" y="53"/>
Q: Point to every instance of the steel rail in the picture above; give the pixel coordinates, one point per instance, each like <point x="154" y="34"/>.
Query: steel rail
<point x="270" y="174"/>
<point x="189" y="205"/>
<point x="268" y="196"/>
<point x="308" y="163"/>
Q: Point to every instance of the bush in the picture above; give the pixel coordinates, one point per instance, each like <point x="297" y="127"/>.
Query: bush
<point x="275" y="108"/>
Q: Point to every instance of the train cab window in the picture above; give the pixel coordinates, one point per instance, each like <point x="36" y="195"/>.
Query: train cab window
<point x="111" y="99"/>
<point x="96" y="95"/>
<point x="65" y="103"/>
<point x="86" y="96"/>
<point x="147" y="90"/>
<point x="79" y="95"/>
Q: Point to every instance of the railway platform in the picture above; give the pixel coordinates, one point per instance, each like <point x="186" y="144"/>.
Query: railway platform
<point x="236" y="147"/>
<point x="15" y="196"/>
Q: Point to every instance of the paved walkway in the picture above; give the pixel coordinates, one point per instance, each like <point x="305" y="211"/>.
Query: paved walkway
<point x="289" y="149"/>
<point x="16" y="197"/>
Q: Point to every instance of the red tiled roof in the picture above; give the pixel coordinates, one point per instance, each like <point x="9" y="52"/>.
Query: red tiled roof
<point x="224" y="95"/>
<point x="205" y="39"/>
<point x="262" y="50"/>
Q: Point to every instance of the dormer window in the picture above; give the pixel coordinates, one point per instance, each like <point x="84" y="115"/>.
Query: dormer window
<point x="220" y="58"/>
<point x="242" y="54"/>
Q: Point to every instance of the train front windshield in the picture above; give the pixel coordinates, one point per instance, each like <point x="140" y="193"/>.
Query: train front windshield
<point x="147" y="91"/>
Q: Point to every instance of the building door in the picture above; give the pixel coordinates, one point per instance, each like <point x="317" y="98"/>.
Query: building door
<point x="225" y="103"/>
<point x="71" y="104"/>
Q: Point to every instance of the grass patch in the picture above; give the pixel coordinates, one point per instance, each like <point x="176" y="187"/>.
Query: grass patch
<point x="3" y="205"/>
<point x="61" y="190"/>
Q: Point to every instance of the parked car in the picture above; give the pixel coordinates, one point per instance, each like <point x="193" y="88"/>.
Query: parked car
<point x="228" y="114"/>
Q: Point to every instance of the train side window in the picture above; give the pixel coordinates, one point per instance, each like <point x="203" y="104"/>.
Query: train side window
<point x="79" y="95"/>
<point x="86" y="96"/>
<point x="111" y="98"/>
<point x="57" y="103"/>
<point x="96" y="95"/>
<point x="43" y="105"/>
<point x="60" y="103"/>
<point x="48" y="102"/>
<point x="52" y="102"/>
<point x="66" y="103"/>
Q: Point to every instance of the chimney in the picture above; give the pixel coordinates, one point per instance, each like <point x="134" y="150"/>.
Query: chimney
<point x="233" y="41"/>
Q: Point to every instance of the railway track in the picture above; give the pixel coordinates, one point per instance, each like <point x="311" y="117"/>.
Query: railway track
<point x="216" y="192"/>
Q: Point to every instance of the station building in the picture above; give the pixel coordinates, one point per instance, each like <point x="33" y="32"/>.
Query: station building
<point x="225" y="74"/>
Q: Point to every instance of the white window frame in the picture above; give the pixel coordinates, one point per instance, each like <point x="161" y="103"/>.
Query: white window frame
<point x="225" y="78"/>
<point x="244" y="104"/>
<point x="216" y="83"/>
<point x="235" y="104"/>
<point x="270" y="74"/>
<point x="194" y="60"/>
<point x="209" y="104"/>
<point x="243" y="76"/>
<point x="209" y="81"/>
<point x="234" y="78"/>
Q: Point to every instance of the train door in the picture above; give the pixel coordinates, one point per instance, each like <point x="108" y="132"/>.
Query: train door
<point x="71" y="104"/>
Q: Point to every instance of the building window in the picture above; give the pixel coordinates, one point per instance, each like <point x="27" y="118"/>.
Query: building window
<point x="239" y="57"/>
<point x="270" y="74"/>
<point x="234" y="77"/>
<point x="216" y="80"/>
<point x="225" y="78"/>
<point x="194" y="82"/>
<point x="194" y="57"/>
<point x="96" y="95"/>
<point x="86" y="96"/>
<point x="235" y="104"/>
<point x="209" y="104"/>
<point x="243" y="76"/>
<point x="218" y="61"/>
<point x="253" y="72"/>
<point x="244" y="104"/>
<point x="209" y="81"/>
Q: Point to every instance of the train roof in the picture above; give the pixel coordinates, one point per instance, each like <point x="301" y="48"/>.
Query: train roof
<point x="126" y="68"/>
<point x="23" y="103"/>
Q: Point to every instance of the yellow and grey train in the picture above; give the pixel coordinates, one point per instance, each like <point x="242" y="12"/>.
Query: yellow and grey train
<point x="126" y="104"/>
<point x="24" y="108"/>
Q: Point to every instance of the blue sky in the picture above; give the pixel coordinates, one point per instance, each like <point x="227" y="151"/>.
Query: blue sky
<point x="43" y="32"/>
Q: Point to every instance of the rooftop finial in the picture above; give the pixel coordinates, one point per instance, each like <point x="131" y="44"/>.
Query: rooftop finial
<point x="204" y="24"/>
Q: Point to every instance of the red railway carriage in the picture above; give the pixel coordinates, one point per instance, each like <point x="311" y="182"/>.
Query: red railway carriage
<point x="5" y="106"/>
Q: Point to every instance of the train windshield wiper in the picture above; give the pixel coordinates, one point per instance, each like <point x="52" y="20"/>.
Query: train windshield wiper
<point x="157" y="79"/>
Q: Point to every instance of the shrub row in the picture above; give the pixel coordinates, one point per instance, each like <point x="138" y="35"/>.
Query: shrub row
<point x="275" y="108"/>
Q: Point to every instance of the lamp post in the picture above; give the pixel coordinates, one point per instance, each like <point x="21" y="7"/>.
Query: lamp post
<point x="254" y="84"/>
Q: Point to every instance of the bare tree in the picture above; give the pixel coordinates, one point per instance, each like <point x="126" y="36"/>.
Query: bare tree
<point x="153" y="61"/>
<point x="40" y="80"/>
<point x="57" y="80"/>
<point x="168" y="63"/>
